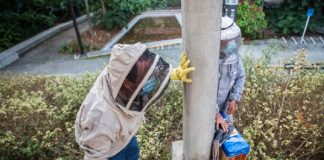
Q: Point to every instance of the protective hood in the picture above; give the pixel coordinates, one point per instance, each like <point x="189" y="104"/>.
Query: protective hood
<point x="144" y="79"/>
<point x="230" y="38"/>
<point x="114" y="108"/>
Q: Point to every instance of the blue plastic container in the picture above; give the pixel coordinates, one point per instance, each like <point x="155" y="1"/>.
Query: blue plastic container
<point x="235" y="145"/>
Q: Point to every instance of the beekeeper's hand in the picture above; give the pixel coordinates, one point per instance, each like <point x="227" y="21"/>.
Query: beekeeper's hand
<point x="181" y="72"/>
<point x="232" y="107"/>
<point x="221" y="122"/>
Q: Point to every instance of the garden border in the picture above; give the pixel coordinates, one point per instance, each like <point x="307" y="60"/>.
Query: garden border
<point x="155" y="13"/>
<point x="152" y="45"/>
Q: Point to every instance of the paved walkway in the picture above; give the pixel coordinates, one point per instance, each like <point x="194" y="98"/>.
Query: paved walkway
<point x="43" y="60"/>
<point x="282" y="53"/>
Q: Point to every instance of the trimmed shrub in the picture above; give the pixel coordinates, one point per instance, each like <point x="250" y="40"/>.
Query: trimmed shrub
<point x="281" y="115"/>
<point x="37" y="116"/>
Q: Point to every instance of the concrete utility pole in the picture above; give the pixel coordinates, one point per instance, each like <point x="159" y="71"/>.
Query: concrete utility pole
<point x="201" y="41"/>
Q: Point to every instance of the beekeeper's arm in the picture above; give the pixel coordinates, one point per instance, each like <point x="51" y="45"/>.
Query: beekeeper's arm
<point x="237" y="89"/>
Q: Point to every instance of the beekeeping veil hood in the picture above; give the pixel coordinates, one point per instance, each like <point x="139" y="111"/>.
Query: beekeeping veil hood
<point x="114" y="108"/>
<point x="138" y="76"/>
<point x="230" y="39"/>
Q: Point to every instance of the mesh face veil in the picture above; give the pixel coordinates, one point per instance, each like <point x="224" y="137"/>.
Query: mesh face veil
<point x="230" y="38"/>
<point x="145" y="82"/>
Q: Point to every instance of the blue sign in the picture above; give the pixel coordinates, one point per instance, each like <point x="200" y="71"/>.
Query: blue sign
<point x="310" y="12"/>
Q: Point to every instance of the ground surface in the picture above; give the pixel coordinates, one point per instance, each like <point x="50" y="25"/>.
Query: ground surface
<point x="44" y="59"/>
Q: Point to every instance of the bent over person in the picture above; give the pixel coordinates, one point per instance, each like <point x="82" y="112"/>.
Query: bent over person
<point x="113" y="110"/>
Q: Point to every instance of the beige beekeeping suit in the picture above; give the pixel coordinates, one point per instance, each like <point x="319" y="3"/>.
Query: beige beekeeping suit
<point x="103" y="127"/>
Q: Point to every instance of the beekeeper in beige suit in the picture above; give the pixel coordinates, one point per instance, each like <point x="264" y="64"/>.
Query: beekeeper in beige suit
<point x="113" y="110"/>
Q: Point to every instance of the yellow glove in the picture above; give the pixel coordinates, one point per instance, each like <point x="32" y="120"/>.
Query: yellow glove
<point x="181" y="72"/>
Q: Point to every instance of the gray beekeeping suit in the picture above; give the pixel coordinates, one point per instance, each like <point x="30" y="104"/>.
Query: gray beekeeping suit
<point x="231" y="69"/>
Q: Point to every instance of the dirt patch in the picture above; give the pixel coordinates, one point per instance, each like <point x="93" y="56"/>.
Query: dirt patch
<point x="153" y="29"/>
<point x="92" y="40"/>
<point x="98" y="36"/>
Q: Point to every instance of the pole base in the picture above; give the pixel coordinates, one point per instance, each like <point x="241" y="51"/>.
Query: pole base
<point x="177" y="150"/>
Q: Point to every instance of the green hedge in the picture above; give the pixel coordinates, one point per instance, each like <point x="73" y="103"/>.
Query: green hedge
<point x="290" y="17"/>
<point x="22" y="19"/>
<point x="281" y="115"/>
<point x="118" y="13"/>
<point x="37" y="115"/>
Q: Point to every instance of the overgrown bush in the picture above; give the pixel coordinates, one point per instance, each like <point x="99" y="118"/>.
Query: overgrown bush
<point x="22" y="19"/>
<point x="290" y="17"/>
<point x="117" y="12"/>
<point x="281" y="115"/>
<point x="251" y="19"/>
<point x="37" y="115"/>
<point x="282" y="111"/>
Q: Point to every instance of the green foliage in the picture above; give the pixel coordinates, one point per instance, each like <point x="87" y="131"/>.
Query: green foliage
<point x="118" y="12"/>
<point x="37" y="116"/>
<point x="251" y="19"/>
<point x="258" y="3"/>
<point x="281" y="115"/>
<point x="159" y="4"/>
<point x="162" y="4"/>
<point x="174" y="3"/>
<point x="24" y="18"/>
<point x="73" y="47"/>
<point x="164" y="125"/>
<point x="290" y="17"/>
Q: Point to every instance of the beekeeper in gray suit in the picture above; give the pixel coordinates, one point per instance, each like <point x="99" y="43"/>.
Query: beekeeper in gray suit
<point x="231" y="72"/>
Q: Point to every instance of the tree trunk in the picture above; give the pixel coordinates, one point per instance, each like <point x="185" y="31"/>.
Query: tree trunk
<point x="103" y="7"/>
<point x="86" y="2"/>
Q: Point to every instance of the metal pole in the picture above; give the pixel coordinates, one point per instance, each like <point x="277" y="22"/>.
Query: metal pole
<point x="76" y="28"/>
<point x="231" y="8"/>
<point x="201" y="41"/>
<point x="302" y="38"/>
<point x="310" y="12"/>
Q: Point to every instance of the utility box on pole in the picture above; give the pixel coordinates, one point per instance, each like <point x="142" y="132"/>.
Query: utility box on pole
<point x="201" y="33"/>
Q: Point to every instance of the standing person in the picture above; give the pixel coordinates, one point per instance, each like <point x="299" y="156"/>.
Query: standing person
<point x="231" y="72"/>
<point x="113" y="110"/>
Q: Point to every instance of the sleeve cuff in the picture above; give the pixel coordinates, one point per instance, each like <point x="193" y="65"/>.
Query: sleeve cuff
<point x="234" y="97"/>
